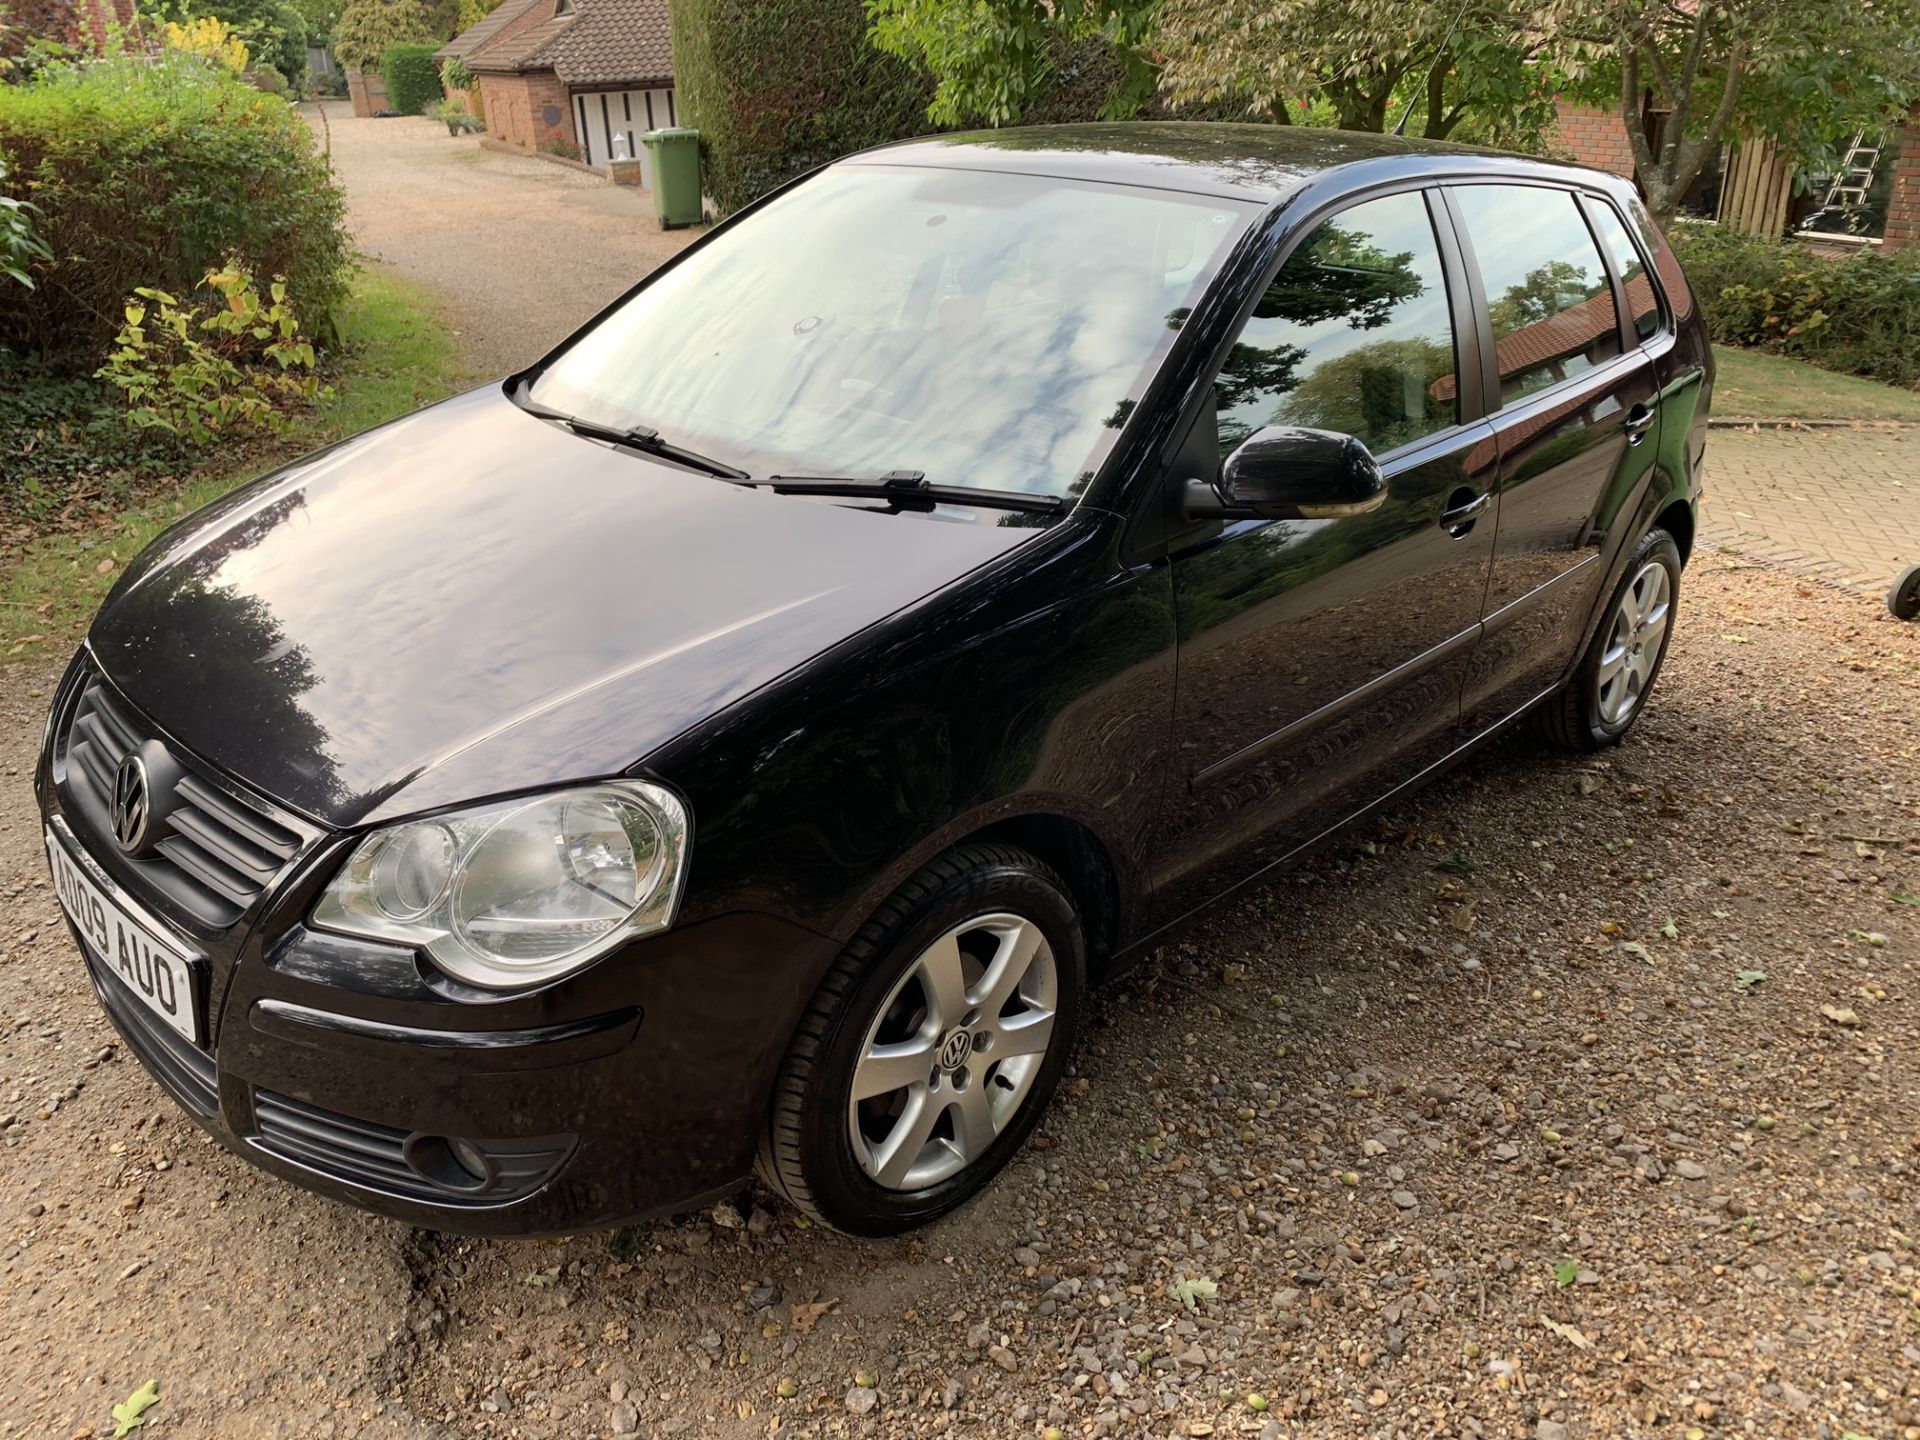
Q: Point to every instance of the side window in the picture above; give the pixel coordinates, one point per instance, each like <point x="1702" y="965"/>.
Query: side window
<point x="1642" y="303"/>
<point x="1547" y="292"/>
<point x="1354" y="335"/>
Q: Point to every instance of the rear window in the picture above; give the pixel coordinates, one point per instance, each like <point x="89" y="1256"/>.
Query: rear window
<point x="1547" y="290"/>
<point x="1642" y="303"/>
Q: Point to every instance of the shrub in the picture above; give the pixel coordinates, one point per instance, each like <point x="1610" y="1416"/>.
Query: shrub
<point x="151" y="172"/>
<point x="453" y="114"/>
<point x="776" y="87"/>
<point x="413" y="80"/>
<point x="230" y="364"/>
<point x="367" y="27"/>
<point x="20" y="246"/>
<point x="561" y="146"/>
<point x="1859" y="314"/>
<point x="454" y="75"/>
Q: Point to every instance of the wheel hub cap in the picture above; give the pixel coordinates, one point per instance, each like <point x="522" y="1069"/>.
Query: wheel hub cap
<point x="953" y="1052"/>
<point x="1634" y="635"/>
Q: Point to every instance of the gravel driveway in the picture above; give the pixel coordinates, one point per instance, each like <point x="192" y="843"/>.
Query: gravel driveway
<point x="520" y="249"/>
<point x="1569" y="1100"/>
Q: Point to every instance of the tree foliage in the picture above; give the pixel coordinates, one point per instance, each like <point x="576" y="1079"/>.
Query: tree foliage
<point x="367" y="27"/>
<point x="1370" y="60"/>
<point x="1799" y="72"/>
<point x="412" y="79"/>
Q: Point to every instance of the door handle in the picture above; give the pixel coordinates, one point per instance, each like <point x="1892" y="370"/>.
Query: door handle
<point x="1640" y="420"/>
<point x="1457" y="520"/>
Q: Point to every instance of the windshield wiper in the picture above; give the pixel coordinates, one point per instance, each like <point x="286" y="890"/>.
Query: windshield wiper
<point x="639" y="438"/>
<point x="909" y="490"/>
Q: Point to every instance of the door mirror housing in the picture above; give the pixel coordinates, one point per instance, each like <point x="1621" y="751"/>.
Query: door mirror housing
<point x="1289" y="472"/>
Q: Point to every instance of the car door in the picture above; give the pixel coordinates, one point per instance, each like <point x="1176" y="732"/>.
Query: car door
<point x="1321" y="660"/>
<point x="1575" y="411"/>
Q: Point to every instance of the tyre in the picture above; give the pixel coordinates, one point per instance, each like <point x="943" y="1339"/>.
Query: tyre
<point x="931" y="1048"/>
<point x="1617" y="671"/>
<point x="1904" y="598"/>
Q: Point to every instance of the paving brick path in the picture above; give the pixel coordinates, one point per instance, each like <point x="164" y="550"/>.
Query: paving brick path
<point x="1838" y="502"/>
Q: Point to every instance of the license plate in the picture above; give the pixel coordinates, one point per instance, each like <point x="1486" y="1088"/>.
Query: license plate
<point x="152" y="968"/>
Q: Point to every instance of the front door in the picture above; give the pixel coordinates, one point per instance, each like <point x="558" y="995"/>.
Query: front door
<point x="1576" y="419"/>
<point x="1321" y="661"/>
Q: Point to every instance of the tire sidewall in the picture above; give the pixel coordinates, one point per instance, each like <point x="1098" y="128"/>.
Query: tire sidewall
<point x="849" y="1198"/>
<point x="1655" y="546"/>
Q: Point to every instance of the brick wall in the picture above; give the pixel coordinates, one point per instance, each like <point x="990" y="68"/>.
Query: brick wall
<point x="1594" y="137"/>
<point x="1903" y="209"/>
<point x="527" y="111"/>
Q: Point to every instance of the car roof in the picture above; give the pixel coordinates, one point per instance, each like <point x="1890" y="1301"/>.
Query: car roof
<point x="1262" y="163"/>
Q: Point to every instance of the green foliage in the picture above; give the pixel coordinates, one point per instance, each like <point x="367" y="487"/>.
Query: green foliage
<point x="777" y="87"/>
<point x="150" y="171"/>
<point x="453" y="113"/>
<point x="64" y="442"/>
<point x="413" y="80"/>
<point x="367" y="27"/>
<point x="561" y="146"/>
<point x="455" y="75"/>
<point x="274" y="31"/>
<point x="19" y="244"/>
<point x="127" y="1416"/>
<point x="230" y="364"/>
<point x="319" y="17"/>
<point x="1859" y="315"/>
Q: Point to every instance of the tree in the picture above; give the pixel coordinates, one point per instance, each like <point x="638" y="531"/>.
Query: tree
<point x="990" y="58"/>
<point x="1371" y="60"/>
<point x="1367" y="59"/>
<point x="1689" y="76"/>
<point x="367" y="27"/>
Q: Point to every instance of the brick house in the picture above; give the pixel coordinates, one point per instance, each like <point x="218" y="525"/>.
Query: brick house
<point x="582" y="77"/>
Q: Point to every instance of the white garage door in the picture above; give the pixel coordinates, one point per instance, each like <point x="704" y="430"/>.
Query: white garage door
<point x="604" y="117"/>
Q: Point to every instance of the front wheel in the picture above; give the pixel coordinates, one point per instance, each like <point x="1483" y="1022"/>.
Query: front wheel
<point x="932" y="1046"/>
<point x="1617" y="671"/>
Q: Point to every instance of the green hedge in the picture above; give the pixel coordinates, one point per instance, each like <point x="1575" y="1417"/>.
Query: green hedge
<point x="152" y="172"/>
<point x="776" y="87"/>
<point x="413" y="80"/>
<point x="367" y="27"/>
<point x="1858" y="314"/>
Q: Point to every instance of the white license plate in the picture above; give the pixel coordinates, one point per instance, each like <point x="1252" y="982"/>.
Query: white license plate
<point x="148" y="965"/>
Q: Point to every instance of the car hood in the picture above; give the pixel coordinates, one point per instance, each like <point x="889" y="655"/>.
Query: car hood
<point x="472" y="601"/>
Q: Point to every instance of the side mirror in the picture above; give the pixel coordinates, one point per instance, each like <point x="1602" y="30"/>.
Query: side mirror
<point x="1288" y="472"/>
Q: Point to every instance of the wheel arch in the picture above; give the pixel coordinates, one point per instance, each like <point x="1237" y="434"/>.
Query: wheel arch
<point x="1678" y="521"/>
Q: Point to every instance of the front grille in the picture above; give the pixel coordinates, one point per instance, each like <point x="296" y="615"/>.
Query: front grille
<point x="217" y="854"/>
<point x="374" y="1157"/>
<point x="185" y="1072"/>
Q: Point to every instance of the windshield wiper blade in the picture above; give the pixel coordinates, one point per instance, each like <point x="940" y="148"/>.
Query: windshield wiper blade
<point x="637" y="437"/>
<point x="909" y="490"/>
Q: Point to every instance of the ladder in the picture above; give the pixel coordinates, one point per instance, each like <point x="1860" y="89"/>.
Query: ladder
<point x="1854" y="178"/>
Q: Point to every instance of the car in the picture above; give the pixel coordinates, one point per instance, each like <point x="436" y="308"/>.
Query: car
<point x="735" y="744"/>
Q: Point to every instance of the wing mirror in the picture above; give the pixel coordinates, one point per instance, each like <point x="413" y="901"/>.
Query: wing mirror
<point x="1288" y="472"/>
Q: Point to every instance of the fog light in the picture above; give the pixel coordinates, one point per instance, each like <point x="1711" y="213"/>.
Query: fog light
<point x="450" y="1163"/>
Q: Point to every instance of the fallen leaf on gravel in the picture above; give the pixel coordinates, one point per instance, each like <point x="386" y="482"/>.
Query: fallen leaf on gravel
<point x="1634" y="947"/>
<point x="1566" y="1272"/>
<point x="1569" y="1333"/>
<point x="1747" y="979"/>
<point x="541" y="1279"/>
<point x="804" y="1317"/>
<point x="1670" y="930"/>
<point x="1840" y="1015"/>
<point x="1189" y="1292"/>
<point x="127" y="1417"/>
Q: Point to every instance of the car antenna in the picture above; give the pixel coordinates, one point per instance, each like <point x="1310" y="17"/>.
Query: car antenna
<point x="1400" y="130"/>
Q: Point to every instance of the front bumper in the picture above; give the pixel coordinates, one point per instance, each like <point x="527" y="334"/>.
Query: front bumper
<point x="632" y="1089"/>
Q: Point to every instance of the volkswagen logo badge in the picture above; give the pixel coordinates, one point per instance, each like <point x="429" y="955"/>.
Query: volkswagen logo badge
<point x="132" y="804"/>
<point x="955" y="1049"/>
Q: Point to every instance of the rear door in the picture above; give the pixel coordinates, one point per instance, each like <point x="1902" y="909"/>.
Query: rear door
<point x="1575" y="413"/>
<point x="1321" y="660"/>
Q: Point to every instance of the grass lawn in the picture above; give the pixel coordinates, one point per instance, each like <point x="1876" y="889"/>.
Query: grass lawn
<point x="1753" y="385"/>
<point x="397" y="355"/>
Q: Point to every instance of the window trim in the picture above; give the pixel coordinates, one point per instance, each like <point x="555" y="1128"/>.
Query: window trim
<point x="1497" y="404"/>
<point x="1468" y="401"/>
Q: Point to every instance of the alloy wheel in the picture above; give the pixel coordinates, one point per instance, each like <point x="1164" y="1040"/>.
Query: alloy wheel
<point x="1634" y="638"/>
<point x="953" y="1052"/>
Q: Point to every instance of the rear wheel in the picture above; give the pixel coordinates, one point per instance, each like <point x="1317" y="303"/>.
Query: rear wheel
<point x="932" y="1046"/>
<point x="1621" y="663"/>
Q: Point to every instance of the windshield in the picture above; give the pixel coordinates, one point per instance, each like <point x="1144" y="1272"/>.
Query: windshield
<point x="988" y="330"/>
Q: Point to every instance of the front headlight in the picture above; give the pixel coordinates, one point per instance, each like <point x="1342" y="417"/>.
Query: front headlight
<point x="518" y="893"/>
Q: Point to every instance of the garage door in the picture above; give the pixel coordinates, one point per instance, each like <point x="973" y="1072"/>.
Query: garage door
<point x="610" y="122"/>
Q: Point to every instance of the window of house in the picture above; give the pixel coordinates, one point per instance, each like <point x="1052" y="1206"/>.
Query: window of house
<point x="1547" y="291"/>
<point x="1353" y="335"/>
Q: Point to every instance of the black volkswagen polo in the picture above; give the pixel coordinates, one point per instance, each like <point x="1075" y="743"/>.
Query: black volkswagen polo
<point x="735" y="743"/>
